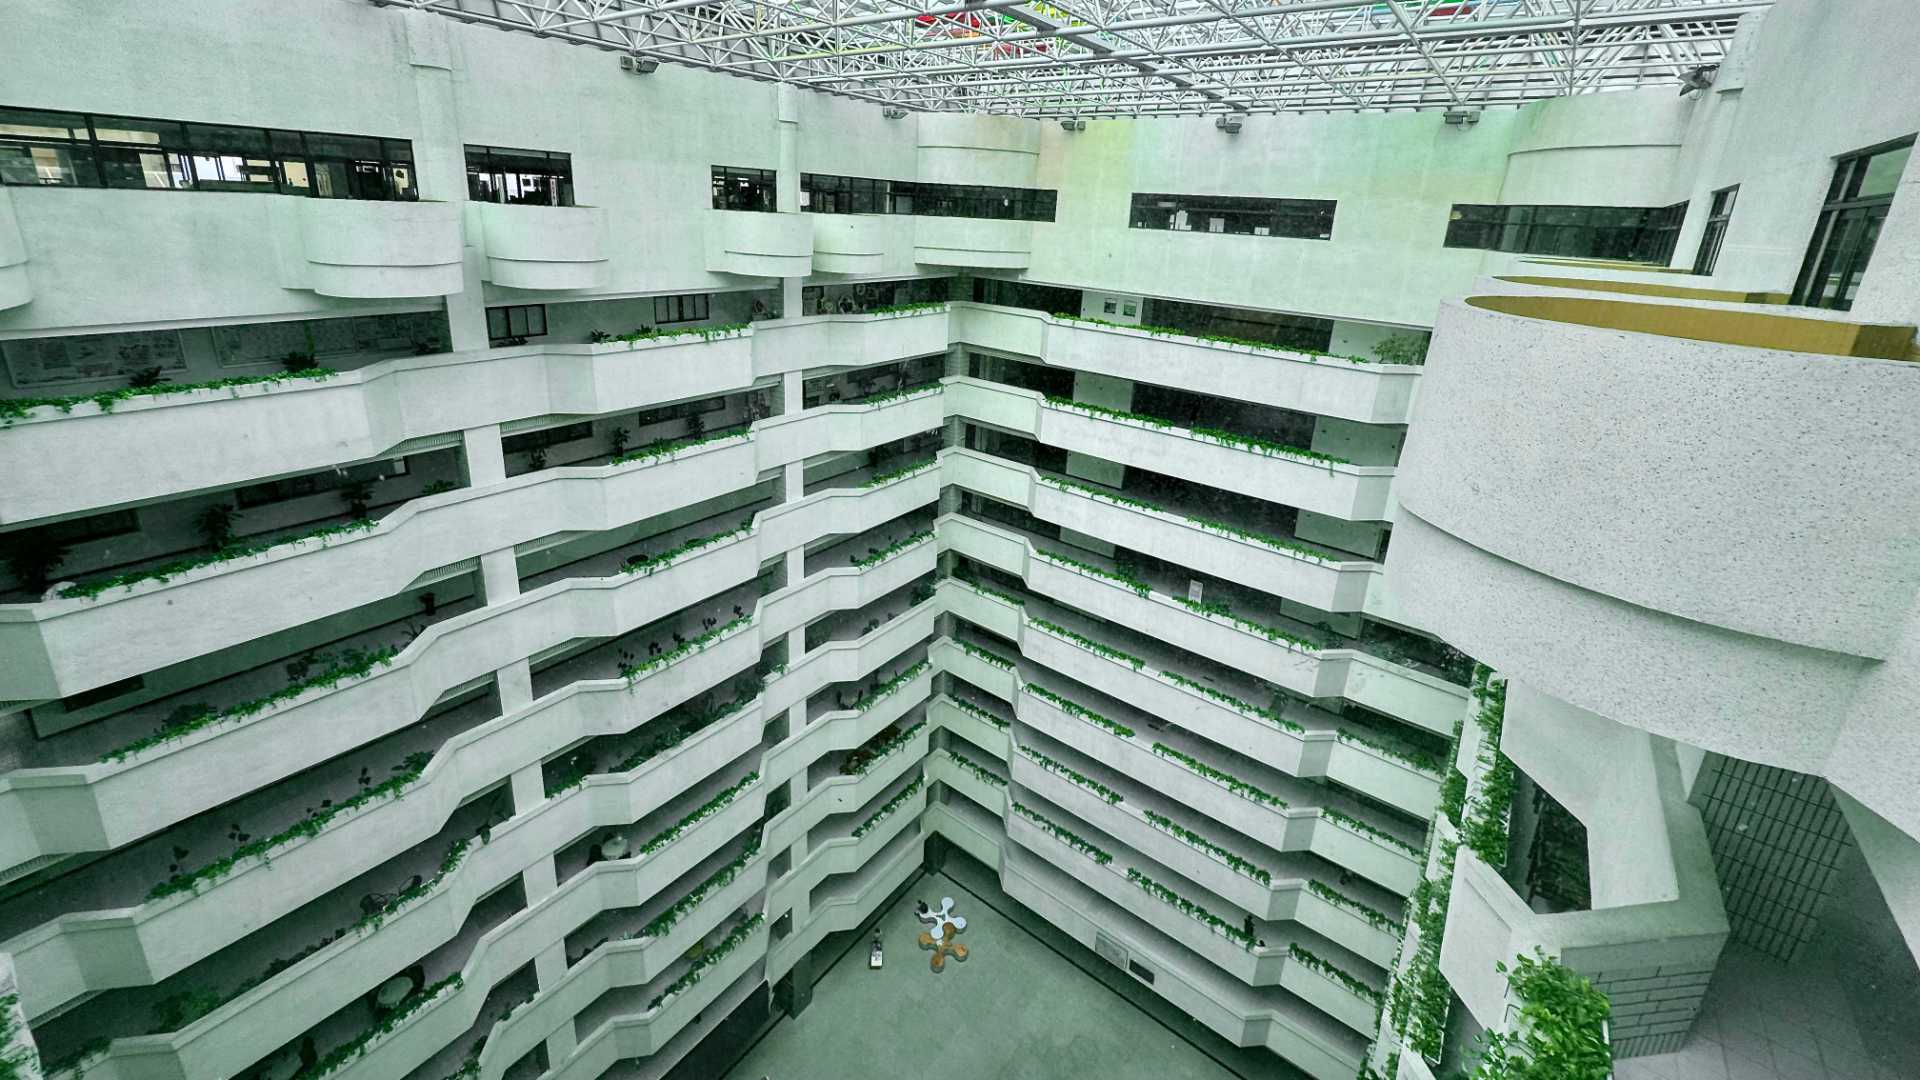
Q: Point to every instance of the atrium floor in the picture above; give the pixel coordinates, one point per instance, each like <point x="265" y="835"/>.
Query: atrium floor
<point x="1014" y="1009"/>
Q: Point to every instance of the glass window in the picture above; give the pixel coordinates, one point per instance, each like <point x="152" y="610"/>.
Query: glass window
<point x="678" y="309"/>
<point x="1719" y="213"/>
<point x="516" y="321"/>
<point x="522" y="177"/>
<point x="1298" y="219"/>
<point x="1849" y="225"/>
<point x="743" y="189"/>
<point x="1629" y="233"/>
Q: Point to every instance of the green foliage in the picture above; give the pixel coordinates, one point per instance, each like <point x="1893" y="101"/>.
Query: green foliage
<point x="909" y="309"/>
<point x="634" y="672"/>
<point x="1559" y="1034"/>
<point x="1429" y="764"/>
<point x="1309" y="355"/>
<point x="1354" y="824"/>
<point x="969" y="707"/>
<point x="1345" y="979"/>
<point x="1216" y="609"/>
<point x="714" y="882"/>
<point x="1194" y="839"/>
<point x="456" y="854"/>
<point x="1065" y="835"/>
<point x="880" y="555"/>
<point x="902" y="473"/>
<point x="1251" y="711"/>
<point x="656" y="333"/>
<point x="1486" y="830"/>
<point x="1289" y="547"/>
<point x="699" y="814"/>
<point x="348" y="666"/>
<point x="1216" y="435"/>
<point x="348" y="1051"/>
<point x="648" y="564"/>
<point x="887" y="808"/>
<point x="1379" y="920"/>
<point x="1123" y="579"/>
<point x="665" y="449"/>
<point x="1088" y="644"/>
<point x="706" y="960"/>
<point x="1402" y="349"/>
<point x="980" y="772"/>
<point x="1230" y="782"/>
<point x="16" y="1061"/>
<point x="985" y="590"/>
<point x="439" y="487"/>
<point x="1453" y="794"/>
<point x="1062" y="769"/>
<point x="889" y="397"/>
<point x="1237" y="935"/>
<point x="1073" y="709"/>
<point x="872" y="697"/>
<point x="177" y="1010"/>
<point x="862" y="760"/>
<point x="404" y="774"/>
<point x="983" y="655"/>
<point x="176" y="567"/>
<point x="12" y="409"/>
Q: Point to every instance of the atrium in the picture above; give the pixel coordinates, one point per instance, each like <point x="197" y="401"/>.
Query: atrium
<point x="1126" y="539"/>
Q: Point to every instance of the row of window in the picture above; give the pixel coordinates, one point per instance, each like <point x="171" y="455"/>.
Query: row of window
<point x="1300" y="219"/>
<point x="1623" y="233"/>
<point x="754" y="189"/>
<point x="520" y="177"/>
<point x="530" y="320"/>
<point x="70" y="149"/>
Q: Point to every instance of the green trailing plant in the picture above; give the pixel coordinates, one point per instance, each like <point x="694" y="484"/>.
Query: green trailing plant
<point x="714" y="882"/>
<point x="16" y="1060"/>
<point x="1271" y="716"/>
<point x="404" y="775"/>
<point x="1237" y="935"/>
<point x="980" y="772"/>
<point x="655" y="333"/>
<point x="902" y="473"/>
<point x="984" y="589"/>
<point x="970" y="708"/>
<point x="175" y="1011"/>
<point x="1216" y="435"/>
<point x="875" y="754"/>
<point x="1065" y="835"/>
<point x="1376" y="918"/>
<point x="1062" y="769"/>
<point x="358" y="496"/>
<point x="1347" y="980"/>
<point x="215" y="525"/>
<point x="457" y="853"/>
<point x="1293" y="351"/>
<point x="617" y="439"/>
<point x="174" y="568"/>
<point x="666" y="449"/>
<point x="984" y="655"/>
<point x="706" y="960"/>
<point x="648" y="564"/>
<point x="872" y="697"/>
<point x="19" y="408"/>
<point x="886" y="809"/>
<point x="880" y="555"/>
<point x="1217" y="610"/>
<point x="1081" y="711"/>
<point x="1560" y="1033"/>
<point x="1227" y="780"/>
<point x="439" y="487"/>
<point x="345" y="1053"/>
<point x="1353" y="824"/>
<point x="351" y="665"/>
<point x="910" y="309"/>
<point x="634" y="672"/>
<point x="890" y="397"/>
<point x="699" y="814"/>
<point x="1429" y="764"/>
<point x="1193" y="839"/>
<point x="1487" y="827"/>
<point x="1088" y="643"/>
<point x="1453" y="794"/>
<point x="1288" y="547"/>
<point x="1408" y="349"/>
<point x="1419" y="996"/>
<point x="1139" y="587"/>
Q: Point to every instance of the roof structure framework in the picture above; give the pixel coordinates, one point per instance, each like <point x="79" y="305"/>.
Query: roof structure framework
<point x="1088" y="58"/>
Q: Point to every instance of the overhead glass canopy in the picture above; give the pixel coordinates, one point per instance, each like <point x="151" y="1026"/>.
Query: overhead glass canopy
<point x="1067" y="58"/>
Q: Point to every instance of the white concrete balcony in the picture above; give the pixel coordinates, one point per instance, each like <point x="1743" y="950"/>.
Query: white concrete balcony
<point x="67" y="644"/>
<point x="971" y="829"/>
<point x="230" y="1038"/>
<point x="373" y="250"/>
<point x="1281" y="827"/>
<point x="1779" y="579"/>
<point x="1330" y="386"/>
<point x="783" y="345"/>
<point x="851" y="243"/>
<point x="847" y="728"/>
<point x="1336" y="489"/>
<point x="976" y="243"/>
<point x="945" y="767"/>
<point x="543" y="247"/>
<point x="645" y="1032"/>
<point x="969" y="725"/>
<point x="843" y="794"/>
<point x="16" y="288"/>
<point x="845" y="903"/>
<point x="759" y="244"/>
<point x="198" y="439"/>
<point x="1317" y="1044"/>
<point x="101" y="806"/>
<point x="1328" y="582"/>
<point x="1418" y="698"/>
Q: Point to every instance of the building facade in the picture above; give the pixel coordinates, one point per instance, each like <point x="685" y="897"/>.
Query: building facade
<point x="508" y="557"/>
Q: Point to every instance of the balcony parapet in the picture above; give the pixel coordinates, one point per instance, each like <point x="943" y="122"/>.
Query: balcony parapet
<point x="759" y="244"/>
<point x="977" y="243"/>
<point x="374" y="250"/>
<point x="15" y="286"/>
<point x="542" y="247"/>
<point x="850" y="243"/>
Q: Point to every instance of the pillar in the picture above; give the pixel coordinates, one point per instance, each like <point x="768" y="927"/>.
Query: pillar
<point x="440" y="164"/>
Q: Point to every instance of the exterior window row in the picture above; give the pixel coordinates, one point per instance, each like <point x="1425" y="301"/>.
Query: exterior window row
<point x="1856" y="206"/>
<point x="1298" y="219"/>
<point x="42" y="147"/>
<point x="743" y="189"/>
<point x="521" y="177"/>
<point x="516" y="321"/>
<point x="1719" y="216"/>
<point x="824" y="194"/>
<point x="1623" y="233"/>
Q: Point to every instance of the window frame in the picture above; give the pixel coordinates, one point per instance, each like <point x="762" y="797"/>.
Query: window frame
<point x="1719" y="217"/>
<point x="528" y="314"/>
<point x="682" y="308"/>
<point x="492" y="176"/>
<point x="1845" y="217"/>
<point x="1274" y="217"/>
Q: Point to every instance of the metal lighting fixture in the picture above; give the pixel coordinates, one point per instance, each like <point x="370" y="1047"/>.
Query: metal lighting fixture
<point x="1698" y="79"/>
<point x="638" y="65"/>
<point x="1230" y="123"/>
<point x="893" y="113"/>
<point x="1074" y="123"/>
<point x="1073" y="59"/>
<point x="1461" y="117"/>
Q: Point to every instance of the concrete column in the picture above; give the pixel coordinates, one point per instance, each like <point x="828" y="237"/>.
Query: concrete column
<point x="795" y="481"/>
<point x="561" y="1044"/>
<point x="515" y="685"/>
<point x="540" y="881"/>
<point x="797" y="648"/>
<point x="499" y="576"/>
<point x="529" y="787"/>
<point x="1108" y="393"/>
<point x="787" y="183"/>
<point x="480" y="453"/>
<point x="440" y="164"/>
<point x="796" y="565"/>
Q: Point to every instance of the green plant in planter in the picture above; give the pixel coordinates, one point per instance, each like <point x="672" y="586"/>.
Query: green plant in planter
<point x="358" y="495"/>
<point x="145" y="377"/>
<point x="1560" y="1032"/>
<point x="1402" y="349"/>
<point x="299" y="361"/>
<point x="32" y="556"/>
<point x="216" y="525"/>
<point x="175" y="1011"/>
<point x="438" y="486"/>
<point x="617" y="441"/>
